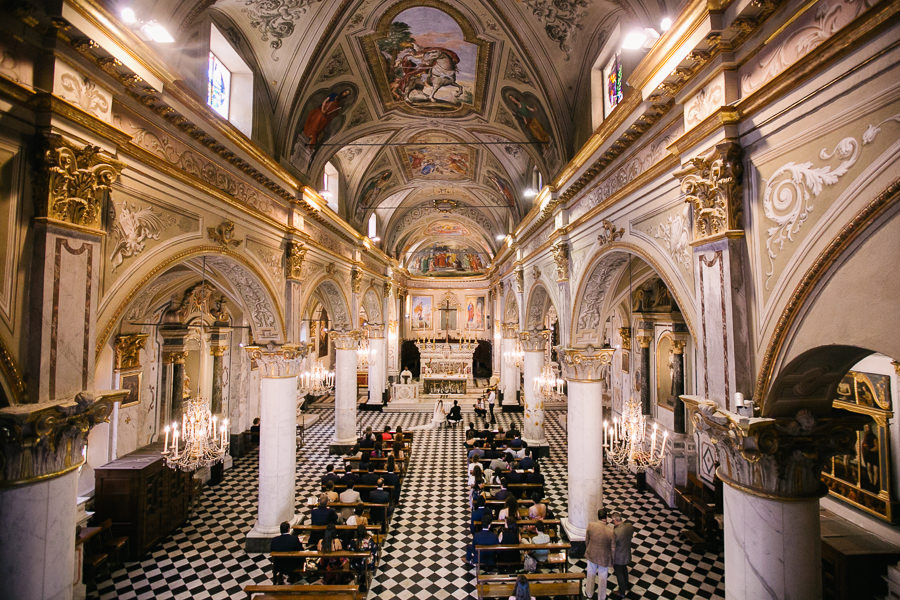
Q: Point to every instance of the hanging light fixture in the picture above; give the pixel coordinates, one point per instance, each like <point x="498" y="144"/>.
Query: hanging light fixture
<point x="200" y="442"/>
<point x="625" y="442"/>
<point x="549" y="384"/>
<point x="316" y="381"/>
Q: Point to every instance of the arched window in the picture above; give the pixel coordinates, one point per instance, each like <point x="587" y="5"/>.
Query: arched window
<point x="373" y="227"/>
<point x="330" y="186"/>
<point x="226" y="75"/>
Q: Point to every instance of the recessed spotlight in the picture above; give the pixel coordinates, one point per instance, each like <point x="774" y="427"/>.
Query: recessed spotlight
<point x="128" y="15"/>
<point x="665" y="24"/>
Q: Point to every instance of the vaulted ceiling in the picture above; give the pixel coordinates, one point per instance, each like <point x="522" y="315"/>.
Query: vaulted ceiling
<point x="435" y="112"/>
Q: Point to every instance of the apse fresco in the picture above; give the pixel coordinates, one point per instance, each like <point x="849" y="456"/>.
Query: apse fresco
<point x="446" y="228"/>
<point x="422" y="61"/>
<point x="447" y="260"/>
<point x="436" y="157"/>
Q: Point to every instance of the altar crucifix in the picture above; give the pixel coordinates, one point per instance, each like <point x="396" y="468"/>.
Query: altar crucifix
<point x="448" y="313"/>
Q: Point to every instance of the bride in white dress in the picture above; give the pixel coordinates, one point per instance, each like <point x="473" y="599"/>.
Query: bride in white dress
<point x="437" y="418"/>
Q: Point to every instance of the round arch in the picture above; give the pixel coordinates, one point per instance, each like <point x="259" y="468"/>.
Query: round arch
<point x="330" y="293"/>
<point x="511" y="308"/>
<point x="539" y="302"/>
<point x="371" y="303"/>
<point x="601" y="273"/>
<point x="260" y="302"/>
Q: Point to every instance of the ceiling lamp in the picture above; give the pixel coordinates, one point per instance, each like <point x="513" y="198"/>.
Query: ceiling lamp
<point x="529" y="192"/>
<point x="640" y="39"/>
<point x="665" y="24"/>
<point x="198" y="444"/>
<point x="625" y="442"/>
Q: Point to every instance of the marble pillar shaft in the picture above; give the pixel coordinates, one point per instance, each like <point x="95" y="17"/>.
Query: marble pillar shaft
<point x="772" y="547"/>
<point x="277" y="454"/>
<point x="645" y="380"/>
<point x="585" y="451"/>
<point x="177" y="391"/>
<point x="376" y="369"/>
<point x="37" y="539"/>
<point x="345" y="397"/>
<point x="678" y="385"/>
<point x="217" y="383"/>
<point x="534" y="402"/>
<point x="509" y="375"/>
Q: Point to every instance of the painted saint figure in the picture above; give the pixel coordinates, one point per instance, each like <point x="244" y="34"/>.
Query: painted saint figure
<point x="319" y="117"/>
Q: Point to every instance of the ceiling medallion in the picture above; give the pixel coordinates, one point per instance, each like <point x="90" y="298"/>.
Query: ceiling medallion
<point x="445" y="205"/>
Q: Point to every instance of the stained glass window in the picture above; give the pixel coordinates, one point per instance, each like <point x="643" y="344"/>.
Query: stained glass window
<point x="614" y="83"/>
<point x="219" y="86"/>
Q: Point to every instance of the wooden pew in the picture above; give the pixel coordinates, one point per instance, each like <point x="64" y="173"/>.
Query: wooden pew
<point x="559" y="553"/>
<point x="541" y="584"/>
<point x="303" y="592"/>
<point x="309" y="571"/>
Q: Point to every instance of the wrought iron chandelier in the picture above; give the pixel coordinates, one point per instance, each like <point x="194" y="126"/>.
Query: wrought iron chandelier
<point x="201" y="441"/>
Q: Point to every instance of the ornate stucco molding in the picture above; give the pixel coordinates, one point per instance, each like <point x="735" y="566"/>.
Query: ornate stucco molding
<point x="644" y="340"/>
<point x="625" y="334"/>
<point x="510" y="331"/>
<point x="610" y="233"/>
<point x="41" y="441"/>
<point x="585" y="364"/>
<point x="174" y="358"/>
<point x="223" y="234"/>
<point x="345" y="340"/>
<point x="781" y="458"/>
<point x="535" y="340"/>
<point x="355" y="280"/>
<point x="276" y="360"/>
<point x="560" y="252"/>
<point x="295" y="253"/>
<point x="712" y="185"/>
<point x="128" y="350"/>
<point x="77" y="180"/>
<point x="387" y="289"/>
<point x="520" y="280"/>
<point x="375" y="332"/>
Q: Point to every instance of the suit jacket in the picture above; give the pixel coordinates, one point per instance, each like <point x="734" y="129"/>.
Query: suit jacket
<point x="483" y="538"/>
<point x="329" y="477"/>
<point x="623" y="533"/>
<point x="369" y="479"/>
<point x="598" y="543"/>
<point x="392" y="483"/>
<point x="382" y="496"/>
<point x="534" y="478"/>
<point x="319" y="516"/>
<point x="349" y="478"/>
<point x="286" y="542"/>
<point x="526" y="463"/>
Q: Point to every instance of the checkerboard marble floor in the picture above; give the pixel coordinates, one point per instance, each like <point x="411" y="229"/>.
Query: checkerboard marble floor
<point x="425" y="550"/>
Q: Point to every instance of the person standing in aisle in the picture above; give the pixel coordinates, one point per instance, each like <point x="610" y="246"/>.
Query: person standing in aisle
<point x="599" y="541"/>
<point x="492" y="398"/>
<point x="622" y="531"/>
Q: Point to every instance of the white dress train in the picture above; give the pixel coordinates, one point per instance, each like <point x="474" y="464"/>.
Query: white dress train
<point x="437" y="418"/>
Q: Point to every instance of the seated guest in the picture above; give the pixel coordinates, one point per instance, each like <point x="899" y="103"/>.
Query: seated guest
<point x="332" y="567"/>
<point x="510" y="510"/>
<point x="378" y="450"/>
<point x="480" y="513"/>
<point x="484" y="537"/>
<point x="526" y="462"/>
<point x="399" y="454"/>
<point x="541" y="538"/>
<point x="476" y="453"/>
<point x="492" y="451"/>
<point x="370" y="477"/>
<point x="349" y="496"/>
<point x="508" y="537"/>
<point x="480" y="410"/>
<point x="538" y="510"/>
<point x="476" y="475"/>
<point x="455" y="415"/>
<point x="328" y="490"/>
<point x="379" y="495"/>
<point x="363" y="542"/>
<point x="349" y="477"/>
<point x="392" y="480"/>
<point x="254" y="431"/>
<point x="282" y="565"/>
<point x="522" y="591"/>
<point x="367" y="441"/>
<point x="358" y="518"/>
<point x="321" y="515"/>
<point x="515" y="476"/>
<point x="471" y="435"/>
<point x="535" y="476"/>
<point x="518" y="452"/>
<point x="329" y="475"/>
<point x="498" y="464"/>
<point x="502" y="493"/>
<point x="513" y="432"/>
<point x="386" y="434"/>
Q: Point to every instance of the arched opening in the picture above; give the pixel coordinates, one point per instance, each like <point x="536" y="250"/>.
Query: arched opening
<point x="482" y="365"/>
<point x="409" y="358"/>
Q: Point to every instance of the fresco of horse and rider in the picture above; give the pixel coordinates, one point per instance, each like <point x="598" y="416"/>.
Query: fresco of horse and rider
<point x="423" y="61"/>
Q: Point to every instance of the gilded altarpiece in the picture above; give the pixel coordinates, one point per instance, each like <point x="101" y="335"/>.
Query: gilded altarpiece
<point x="863" y="477"/>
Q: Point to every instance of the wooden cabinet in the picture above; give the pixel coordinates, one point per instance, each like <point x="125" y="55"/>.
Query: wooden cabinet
<point x="145" y="499"/>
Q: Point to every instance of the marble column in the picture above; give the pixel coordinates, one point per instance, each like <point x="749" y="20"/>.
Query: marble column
<point x="581" y="368"/>
<point x="771" y="469"/>
<point x="644" y="340"/>
<point x="278" y="368"/>
<point x="376" y="363"/>
<point x="41" y="454"/>
<point x="509" y="374"/>
<point x="534" y="345"/>
<point x="678" y="383"/>
<point x="345" y="394"/>
<point x="177" y="386"/>
<point x="218" y="372"/>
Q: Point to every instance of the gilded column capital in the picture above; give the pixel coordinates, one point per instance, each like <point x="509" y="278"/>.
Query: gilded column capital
<point x="510" y="331"/>
<point x="644" y="340"/>
<point x="375" y="332"/>
<point x="625" y="334"/>
<point x="781" y="458"/>
<point x="355" y="280"/>
<point x="128" y="350"/>
<point x="584" y="364"/>
<point x="295" y="253"/>
<point x="534" y="340"/>
<point x="388" y="288"/>
<point x="218" y="350"/>
<point x="276" y="360"/>
<point x="175" y="357"/>
<point x="560" y="252"/>
<point x="77" y="180"/>
<point x="42" y="441"/>
<point x="713" y="186"/>
<point x="678" y="346"/>
<point x="346" y="340"/>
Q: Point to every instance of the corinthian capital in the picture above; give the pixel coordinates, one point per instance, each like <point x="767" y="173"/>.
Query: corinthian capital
<point x="713" y="186"/>
<point x="345" y="340"/>
<point x="534" y="340"/>
<point x="355" y="280"/>
<point x="276" y="360"/>
<point x="510" y="331"/>
<point x="585" y="364"/>
<point x="560" y="252"/>
<point x="40" y="441"/>
<point x="375" y="332"/>
<point x="128" y="350"/>
<point x="296" y="252"/>
<point x="775" y="458"/>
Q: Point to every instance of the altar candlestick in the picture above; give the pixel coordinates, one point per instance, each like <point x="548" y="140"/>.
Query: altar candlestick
<point x="166" y="445"/>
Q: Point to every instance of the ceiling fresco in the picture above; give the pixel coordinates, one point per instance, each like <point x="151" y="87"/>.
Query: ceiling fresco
<point x="418" y="100"/>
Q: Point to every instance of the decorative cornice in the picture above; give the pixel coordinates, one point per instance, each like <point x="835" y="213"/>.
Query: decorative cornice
<point x="779" y="459"/>
<point x="42" y="441"/>
<point x="584" y="364"/>
<point x="712" y="185"/>
<point x="128" y="350"/>
<point x="295" y="253"/>
<point x="345" y="340"/>
<point x="276" y="360"/>
<point x="535" y="340"/>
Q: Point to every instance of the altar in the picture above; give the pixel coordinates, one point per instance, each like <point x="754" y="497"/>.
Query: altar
<point x="444" y="384"/>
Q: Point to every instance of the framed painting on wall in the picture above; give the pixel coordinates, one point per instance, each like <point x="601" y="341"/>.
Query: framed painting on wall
<point x="132" y="383"/>
<point x="474" y="312"/>
<point x="420" y="316"/>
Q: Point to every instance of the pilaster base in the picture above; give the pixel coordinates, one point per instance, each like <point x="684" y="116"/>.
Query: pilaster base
<point x="539" y="449"/>
<point x="259" y="539"/>
<point x="573" y="532"/>
<point x="341" y="447"/>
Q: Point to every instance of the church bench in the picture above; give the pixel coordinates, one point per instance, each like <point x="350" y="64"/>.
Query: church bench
<point x="310" y="564"/>
<point x="525" y="490"/>
<point x="303" y="592"/>
<point x="559" y="554"/>
<point x="541" y="584"/>
<point x="344" y="531"/>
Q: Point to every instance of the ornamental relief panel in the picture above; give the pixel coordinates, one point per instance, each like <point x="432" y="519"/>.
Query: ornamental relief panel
<point x="72" y="86"/>
<point x="16" y="66"/>
<point x="589" y="323"/>
<point x="270" y="257"/>
<point x="258" y="305"/>
<point x="670" y="229"/>
<point x="800" y="187"/>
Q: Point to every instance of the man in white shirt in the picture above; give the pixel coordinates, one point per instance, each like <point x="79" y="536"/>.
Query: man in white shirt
<point x="492" y="398"/>
<point x="349" y="496"/>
